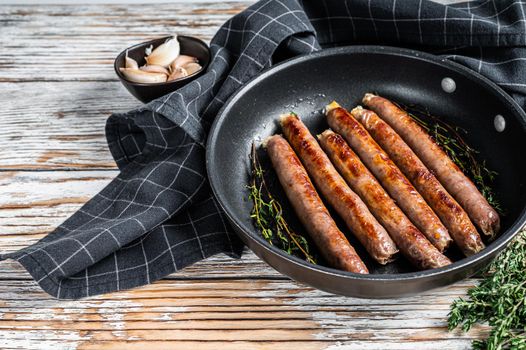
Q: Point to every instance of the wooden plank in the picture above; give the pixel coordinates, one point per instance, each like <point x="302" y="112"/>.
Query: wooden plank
<point x="251" y="312"/>
<point x="70" y="117"/>
<point x="456" y="344"/>
<point x="33" y="203"/>
<point x="60" y="129"/>
<point x="218" y="299"/>
<point x="59" y="43"/>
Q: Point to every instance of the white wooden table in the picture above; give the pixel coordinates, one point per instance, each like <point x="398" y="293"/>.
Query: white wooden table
<point x="57" y="87"/>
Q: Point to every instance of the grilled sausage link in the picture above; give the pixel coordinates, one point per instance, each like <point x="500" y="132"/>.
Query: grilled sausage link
<point x="412" y="243"/>
<point x="336" y="191"/>
<point x="392" y="179"/>
<point x="446" y="207"/>
<point x="331" y="242"/>
<point x="453" y="179"/>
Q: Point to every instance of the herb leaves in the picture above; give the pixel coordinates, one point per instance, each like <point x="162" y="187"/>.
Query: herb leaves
<point x="449" y="137"/>
<point x="498" y="300"/>
<point x="268" y="218"/>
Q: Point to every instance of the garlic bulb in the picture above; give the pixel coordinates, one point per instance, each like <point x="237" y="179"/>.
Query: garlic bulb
<point x="139" y="76"/>
<point x="164" y="54"/>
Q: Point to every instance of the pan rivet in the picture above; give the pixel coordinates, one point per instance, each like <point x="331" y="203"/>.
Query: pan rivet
<point x="448" y="85"/>
<point x="500" y="123"/>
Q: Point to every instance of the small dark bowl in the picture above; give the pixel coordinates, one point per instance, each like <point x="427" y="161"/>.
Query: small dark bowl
<point x="147" y="92"/>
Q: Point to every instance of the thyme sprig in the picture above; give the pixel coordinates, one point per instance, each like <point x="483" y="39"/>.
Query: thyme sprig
<point x="268" y="215"/>
<point x="463" y="155"/>
<point x="499" y="300"/>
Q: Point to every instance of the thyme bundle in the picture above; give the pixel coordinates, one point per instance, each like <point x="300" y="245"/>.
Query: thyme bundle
<point x="464" y="156"/>
<point x="499" y="300"/>
<point x="268" y="216"/>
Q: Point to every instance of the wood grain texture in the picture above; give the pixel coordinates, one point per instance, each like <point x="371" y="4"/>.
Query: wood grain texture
<point x="67" y="118"/>
<point x="220" y="302"/>
<point x="209" y="312"/>
<point x="79" y="43"/>
<point x="57" y="87"/>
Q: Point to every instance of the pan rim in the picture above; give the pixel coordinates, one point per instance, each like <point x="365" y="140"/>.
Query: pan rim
<point x="251" y="233"/>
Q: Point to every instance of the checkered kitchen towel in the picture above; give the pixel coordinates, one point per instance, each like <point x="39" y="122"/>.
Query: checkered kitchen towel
<point x="159" y="215"/>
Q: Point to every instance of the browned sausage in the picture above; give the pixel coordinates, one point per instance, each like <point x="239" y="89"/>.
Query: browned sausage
<point x="453" y="179"/>
<point x="446" y="207"/>
<point x="331" y="242"/>
<point x="336" y="191"/>
<point x="392" y="179"/>
<point x="412" y="243"/>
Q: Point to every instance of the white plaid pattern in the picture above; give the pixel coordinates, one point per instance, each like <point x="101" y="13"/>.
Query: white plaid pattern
<point x="158" y="215"/>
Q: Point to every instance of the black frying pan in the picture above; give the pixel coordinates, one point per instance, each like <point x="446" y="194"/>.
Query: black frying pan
<point x="304" y="85"/>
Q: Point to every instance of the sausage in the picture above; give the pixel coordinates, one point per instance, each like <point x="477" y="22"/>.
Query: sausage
<point x="392" y="179"/>
<point x="411" y="242"/>
<point x="335" y="190"/>
<point x="331" y="242"/>
<point x="446" y="207"/>
<point x="432" y="155"/>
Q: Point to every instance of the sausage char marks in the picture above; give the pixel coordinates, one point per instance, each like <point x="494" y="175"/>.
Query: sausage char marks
<point x="388" y="174"/>
<point x="450" y="212"/>
<point x="310" y="209"/>
<point x="411" y="242"/>
<point x="337" y="193"/>
<point x="436" y="160"/>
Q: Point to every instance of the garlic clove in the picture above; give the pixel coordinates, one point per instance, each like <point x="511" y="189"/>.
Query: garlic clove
<point x="164" y="54"/>
<point x="180" y="61"/>
<point x="192" y="67"/>
<point x="178" y="73"/>
<point x="155" y="69"/>
<point x="130" y="62"/>
<point x="139" y="76"/>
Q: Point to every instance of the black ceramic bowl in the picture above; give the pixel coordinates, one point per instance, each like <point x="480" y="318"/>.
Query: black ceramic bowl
<point x="146" y="92"/>
<point x="305" y="85"/>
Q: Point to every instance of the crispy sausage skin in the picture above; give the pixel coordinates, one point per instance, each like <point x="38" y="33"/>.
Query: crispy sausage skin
<point x="335" y="190"/>
<point x="412" y="243"/>
<point x="453" y="179"/>
<point x="331" y="242"/>
<point x="392" y="179"/>
<point x="450" y="212"/>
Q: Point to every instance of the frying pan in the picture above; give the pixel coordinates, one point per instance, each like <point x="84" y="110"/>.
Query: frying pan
<point x="304" y="85"/>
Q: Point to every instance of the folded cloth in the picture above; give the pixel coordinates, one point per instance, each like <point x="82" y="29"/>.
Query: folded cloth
<point x="159" y="214"/>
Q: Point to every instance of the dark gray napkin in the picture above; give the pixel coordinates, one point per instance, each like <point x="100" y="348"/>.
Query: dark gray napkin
<point x="159" y="215"/>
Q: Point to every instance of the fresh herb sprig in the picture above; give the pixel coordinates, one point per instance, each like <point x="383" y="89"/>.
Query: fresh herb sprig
<point x="464" y="156"/>
<point x="499" y="300"/>
<point x="268" y="215"/>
